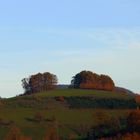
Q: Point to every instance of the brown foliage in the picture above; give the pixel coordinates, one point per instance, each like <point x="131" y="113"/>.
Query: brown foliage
<point x="39" y="82"/>
<point x="90" y="80"/>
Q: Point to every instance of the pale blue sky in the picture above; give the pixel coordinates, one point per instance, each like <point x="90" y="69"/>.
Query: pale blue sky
<point x="67" y="36"/>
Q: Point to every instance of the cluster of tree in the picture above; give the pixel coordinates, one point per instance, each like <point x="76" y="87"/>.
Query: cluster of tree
<point x="39" y="82"/>
<point x="90" y="80"/>
<point x="85" y="80"/>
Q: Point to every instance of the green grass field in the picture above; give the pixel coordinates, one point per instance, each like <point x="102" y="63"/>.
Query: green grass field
<point x="80" y="92"/>
<point x="22" y="109"/>
<point x="70" y="120"/>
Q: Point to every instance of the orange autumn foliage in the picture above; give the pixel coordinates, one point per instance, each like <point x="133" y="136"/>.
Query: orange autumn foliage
<point x="90" y="80"/>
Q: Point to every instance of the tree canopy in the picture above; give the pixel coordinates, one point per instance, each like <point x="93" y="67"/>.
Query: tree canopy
<point x="39" y="82"/>
<point x="90" y="80"/>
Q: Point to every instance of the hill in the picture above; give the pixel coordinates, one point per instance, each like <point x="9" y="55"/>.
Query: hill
<point x="81" y="92"/>
<point x="124" y="90"/>
<point x="74" y="110"/>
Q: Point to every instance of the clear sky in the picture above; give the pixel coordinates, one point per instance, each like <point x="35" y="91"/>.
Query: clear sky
<point x="67" y="36"/>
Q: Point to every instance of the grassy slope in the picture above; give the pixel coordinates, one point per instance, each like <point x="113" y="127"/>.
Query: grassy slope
<point x="80" y="92"/>
<point x="68" y="118"/>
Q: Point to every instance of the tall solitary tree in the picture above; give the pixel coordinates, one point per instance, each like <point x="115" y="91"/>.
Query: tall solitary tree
<point x="39" y="82"/>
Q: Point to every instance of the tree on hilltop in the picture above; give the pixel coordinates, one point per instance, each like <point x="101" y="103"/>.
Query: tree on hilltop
<point x="90" y="80"/>
<point x="39" y="82"/>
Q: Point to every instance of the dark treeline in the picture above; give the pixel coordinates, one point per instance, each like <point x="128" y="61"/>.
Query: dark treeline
<point x="89" y="102"/>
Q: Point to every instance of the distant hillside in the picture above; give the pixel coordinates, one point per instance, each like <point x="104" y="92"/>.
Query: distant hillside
<point x="124" y="90"/>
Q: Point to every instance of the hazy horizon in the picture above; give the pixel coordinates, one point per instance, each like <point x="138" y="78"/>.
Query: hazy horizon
<point x="67" y="37"/>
